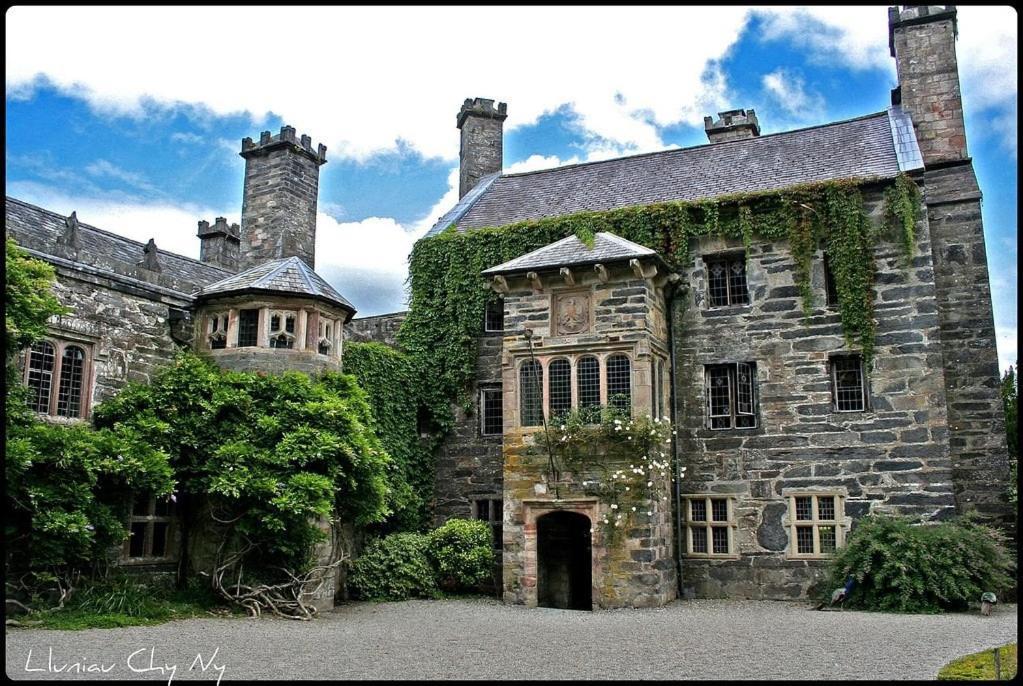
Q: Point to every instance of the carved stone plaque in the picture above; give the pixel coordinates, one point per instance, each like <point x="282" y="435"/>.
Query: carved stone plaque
<point x="573" y="313"/>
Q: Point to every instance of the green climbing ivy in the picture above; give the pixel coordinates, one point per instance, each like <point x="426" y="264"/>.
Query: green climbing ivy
<point x="449" y="297"/>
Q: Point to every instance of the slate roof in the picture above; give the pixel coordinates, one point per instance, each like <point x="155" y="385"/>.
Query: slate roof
<point x="864" y="147"/>
<point x="38" y="229"/>
<point x="288" y="275"/>
<point x="607" y="248"/>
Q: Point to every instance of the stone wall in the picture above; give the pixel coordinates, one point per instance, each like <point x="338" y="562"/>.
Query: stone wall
<point x="893" y="457"/>
<point x="127" y="325"/>
<point x="382" y="328"/>
<point x="975" y="414"/>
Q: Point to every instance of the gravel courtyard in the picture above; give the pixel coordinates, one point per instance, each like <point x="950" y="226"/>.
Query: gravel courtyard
<point x="483" y="639"/>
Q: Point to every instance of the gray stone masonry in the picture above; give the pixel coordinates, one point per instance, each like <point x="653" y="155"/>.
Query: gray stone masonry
<point x="382" y="328"/>
<point x="976" y="418"/>
<point x="893" y="457"/>
<point x="732" y="125"/>
<point x="482" y="145"/>
<point x="219" y="244"/>
<point x="279" y="200"/>
<point x="922" y="41"/>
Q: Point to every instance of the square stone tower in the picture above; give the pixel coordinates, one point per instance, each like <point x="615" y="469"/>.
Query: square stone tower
<point x="282" y="176"/>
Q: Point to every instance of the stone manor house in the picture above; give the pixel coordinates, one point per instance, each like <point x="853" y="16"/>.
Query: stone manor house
<point x="787" y="436"/>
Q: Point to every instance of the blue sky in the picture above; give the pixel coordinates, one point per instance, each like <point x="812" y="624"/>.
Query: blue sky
<point x="138" y="129"/>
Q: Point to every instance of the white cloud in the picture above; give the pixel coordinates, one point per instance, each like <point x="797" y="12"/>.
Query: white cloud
<point x="103" y="169"/>
<point x="789" y="92"/>
<point x="855" y="37"/>
<point x="1008" y="347"/>
<point x="360" y="79"/>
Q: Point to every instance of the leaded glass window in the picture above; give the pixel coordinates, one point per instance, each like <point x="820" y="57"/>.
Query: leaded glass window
<point x="531" y="393"/>
<point x="619" y="382"/>
<point x="560" y="386"/>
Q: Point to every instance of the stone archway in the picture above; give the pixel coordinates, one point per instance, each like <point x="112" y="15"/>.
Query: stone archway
<point x="564" y="561"/>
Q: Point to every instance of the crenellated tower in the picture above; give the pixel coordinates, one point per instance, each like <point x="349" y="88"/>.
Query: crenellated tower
<point x="282" y="176"/>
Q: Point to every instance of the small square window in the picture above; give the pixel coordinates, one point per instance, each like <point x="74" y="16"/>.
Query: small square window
<point x="726" y="281"/>
<point x="713" y="536"/>
<point x="492" y="415"/>
<point x="731" y="395"/>
<point x="848" y="384"/>
<point x="816" y="524"/>
<point x="151" y="529"/>
<point x="490" y="510"/>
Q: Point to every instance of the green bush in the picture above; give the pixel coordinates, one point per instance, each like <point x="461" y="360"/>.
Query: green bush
<point x="395" y="567"/>
<point x="462" y="552"/>
<point x="899" y="566"/>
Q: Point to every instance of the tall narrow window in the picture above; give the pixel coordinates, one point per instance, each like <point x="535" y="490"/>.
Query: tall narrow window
<point x="282" y="330"/>
<point x="662" y="400"/>
<point x="492" y="415"/>
<point x="495" y="315"/>
<point x="69" y="396"/>
<point x="217" y="333"/>
<point x="531" y="394"/>
<point x="41" y="360"/>
<point x="491" y="511"/>
<point x="248" y="324"/>
<point x="560" y="388"/>
<point x="619" y="382"/>
<point x="726" y="281"/>
<point x="847" y="384"/>
<point x="731" y="396"/>
<point x="830" y="290"/>
<point x="656" y="397"/>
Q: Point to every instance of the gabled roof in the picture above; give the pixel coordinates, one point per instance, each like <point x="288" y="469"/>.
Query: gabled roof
<point x="287" y="275"/>
<point x="874" y="146"/>
<point x="607" y="248"/>
<point x="38" y="229"/>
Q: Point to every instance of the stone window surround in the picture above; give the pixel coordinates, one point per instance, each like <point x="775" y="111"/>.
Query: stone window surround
<point x="488" y="325"/>
<point x="306" y="314"/>
<point x="532" y="510"/>
<point x="60" y="341"/>
<point x="573" y="359"/>
<point x="496" y="515"/>
<point x="789" y="521"/>
<point x="730" y="523"/>
<point x="149" y="519"/>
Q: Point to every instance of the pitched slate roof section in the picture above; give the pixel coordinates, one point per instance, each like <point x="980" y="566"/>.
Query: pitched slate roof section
<point x="464" y="205"/>
<point x="288" y="275"/>
<point x="858" y="148"/>
<point x="40" y="230"/>
<point x="607" y="248"/>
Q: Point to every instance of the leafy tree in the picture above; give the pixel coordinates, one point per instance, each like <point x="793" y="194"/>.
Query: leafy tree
<point x="270" y="453"/>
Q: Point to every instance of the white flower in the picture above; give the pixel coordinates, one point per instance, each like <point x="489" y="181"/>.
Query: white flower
<point x="649" y="512"/>
<point x="626" y="488"/>
<point x="633" y="508"/>
<point x="562" y="427"/>
<point x="649" y="484"/>
<point x="614" y="506"/>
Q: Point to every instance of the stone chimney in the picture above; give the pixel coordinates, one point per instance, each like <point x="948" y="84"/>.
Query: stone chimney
<point x="282" y="180"/>
<point x="219" y="244"/>
<point x="732" y="125"/>
<point x="482" y="148"/>
<point x="922" y="41"/>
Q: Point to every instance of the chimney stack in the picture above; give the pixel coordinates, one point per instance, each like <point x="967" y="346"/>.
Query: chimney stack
<point x="921" y="38"/>
<point x="219" y="244"/>
<point x="732" y="125"/>
<point x="482" y="147"/>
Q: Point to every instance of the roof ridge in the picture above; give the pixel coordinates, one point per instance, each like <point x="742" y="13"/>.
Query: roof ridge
<point x="81" y="224"/>
<point x="306" y="272"/>
<point x="624" y="242"/>
<point x="694" y="147"/>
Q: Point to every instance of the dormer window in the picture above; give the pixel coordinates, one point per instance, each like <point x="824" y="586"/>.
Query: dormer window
<point x="216" y="331"/>
<point x="282" y="330"/>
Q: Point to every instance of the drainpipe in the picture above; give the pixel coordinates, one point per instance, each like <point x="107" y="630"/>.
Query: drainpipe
<point x="676" y="471"/>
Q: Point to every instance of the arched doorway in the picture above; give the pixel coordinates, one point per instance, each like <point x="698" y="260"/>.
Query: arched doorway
<point x="564" y="561"/>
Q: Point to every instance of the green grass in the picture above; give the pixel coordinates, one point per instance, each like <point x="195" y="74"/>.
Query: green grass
<point x="127" y="601"/>
<point x="980" y="666"/>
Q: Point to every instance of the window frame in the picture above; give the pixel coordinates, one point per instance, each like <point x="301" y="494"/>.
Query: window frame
<point x="839" y="523"/>
<point x="282" y="333"/>
<point x="150" y="519"/>
<point x="732" y="369"/>
<point x="242" y="316"/>
<point x="60" y="346"/>
<point x="730" y="524"/>
<point x="574" y="379"/>
<point x="521" y="391"/>
<point x="833" y="373"/>
<point x="727" y="259"/>
<point x="484" y="390"/>
<point x="495" y="515"/>
<point x="487" y="328"/>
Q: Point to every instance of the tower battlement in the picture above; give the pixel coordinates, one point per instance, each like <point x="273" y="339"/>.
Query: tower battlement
<point x="286" y="138"/>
